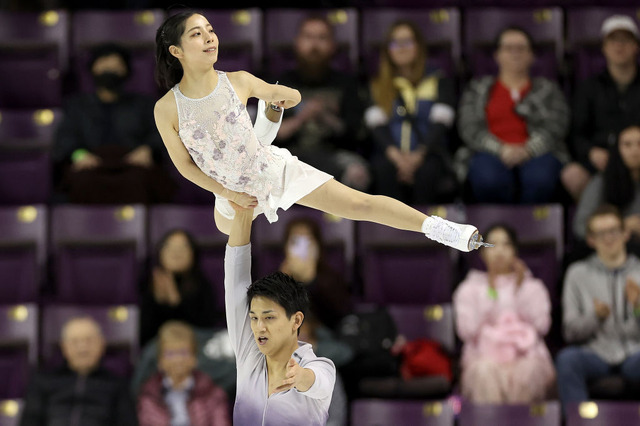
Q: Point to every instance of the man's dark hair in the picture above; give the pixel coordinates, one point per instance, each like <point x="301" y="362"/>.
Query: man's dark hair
<point x="316" y="17"/>
<point x="108" y="49"/>
<point x="282" y="289"/>
<point x="605" y="210"/>
<point x="497" y="41"/>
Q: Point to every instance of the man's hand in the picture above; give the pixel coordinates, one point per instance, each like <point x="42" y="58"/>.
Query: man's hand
<point x="297" y="377"/>
<point x="602" y="309"/>
<point x="599" y="157"/>
<point x="141" y="157"/>
<point x="240" y="199"/>
<point x="632" y="291"/>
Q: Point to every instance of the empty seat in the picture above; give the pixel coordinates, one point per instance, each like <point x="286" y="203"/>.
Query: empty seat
<point x="540" y="233"/>
<point x="281" y="28"/>
<point x="401" y="267"/>
<point x="584" y="39"/>
<point x="135" y="30"/>
<point x="18" y="347"/>
<point x="241" y="35"/>
<point x="380" y="412"/>
<point x="26" y="138"/>
<point x="337" y="234"/>
<point x="33" y="57"/>
<point x="199" y="222"/>
<point x="544" y="414"/>
<point x="440" y="27"/>
<point x="433" y="322"/>
<point x="603" y="413"/>
<point x="23" y="252"/>
<point x="481" y="26"/>
<point x="119" y="326"/>
<point x="10" y="410"/>
<point x="98" y="253"/>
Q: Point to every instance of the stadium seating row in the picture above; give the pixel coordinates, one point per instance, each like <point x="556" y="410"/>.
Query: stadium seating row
<point x="43" y="48"/>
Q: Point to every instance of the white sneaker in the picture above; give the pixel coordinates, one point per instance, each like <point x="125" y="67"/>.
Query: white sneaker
<point x="456" y="235"/>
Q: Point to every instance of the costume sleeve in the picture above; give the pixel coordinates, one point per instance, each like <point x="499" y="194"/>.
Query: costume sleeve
<point x="325" y="373"/>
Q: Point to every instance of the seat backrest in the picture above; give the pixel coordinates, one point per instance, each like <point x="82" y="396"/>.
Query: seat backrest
<point x="240" y="34"/>
<point x="603" y="413"/>
<point x="404" y="267"/>
<point x="433" y="322"/>
<point x="281" y="28"/>
<point x="375" y="412"/>
<point x="584" y="39"/>
<point x="440" y="28"/>
<point x="545" y="414"/>
<point x="337" y="233"/>
<point x="482" y="25"/>
<point x="135" y="30"/>
<point x="119" y="325"/>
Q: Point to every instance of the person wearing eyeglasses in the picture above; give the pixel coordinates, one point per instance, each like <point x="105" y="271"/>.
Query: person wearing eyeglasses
<point x="601" y="310"/>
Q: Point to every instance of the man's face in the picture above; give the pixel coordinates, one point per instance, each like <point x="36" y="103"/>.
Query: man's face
<point x="620" y="48"/>
<point x="112" y="63"/>
<point x="82" y="345"/>
<point x="514" y="54"/>
<point x="607" y="236"/>
<point x="272" y="330"/>
<point x="314" y="43"/>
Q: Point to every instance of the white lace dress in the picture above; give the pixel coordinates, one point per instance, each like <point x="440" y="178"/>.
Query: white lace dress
<point x="218" y="133"/>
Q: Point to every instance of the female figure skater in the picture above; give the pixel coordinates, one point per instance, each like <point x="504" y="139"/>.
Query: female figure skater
<point x="208" y="133"/>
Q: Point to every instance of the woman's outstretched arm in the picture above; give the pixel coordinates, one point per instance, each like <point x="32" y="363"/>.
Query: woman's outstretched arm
<point x="248" y="85"/>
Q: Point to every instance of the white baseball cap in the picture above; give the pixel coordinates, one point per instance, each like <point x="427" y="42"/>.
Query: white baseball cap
<point x="619" y="22"/>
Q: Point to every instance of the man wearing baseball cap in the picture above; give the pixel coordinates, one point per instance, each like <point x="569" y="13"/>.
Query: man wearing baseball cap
<point x="607" y="102"/>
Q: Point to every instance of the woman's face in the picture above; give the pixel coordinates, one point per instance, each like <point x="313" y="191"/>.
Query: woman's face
<point x="301" y="243"/>
<point x="199" y="43"/>
<point x="176" y="255"/>
<point x="403" y="48"/>
<point x="500" y="258"/>
<point x="629" y="147"/>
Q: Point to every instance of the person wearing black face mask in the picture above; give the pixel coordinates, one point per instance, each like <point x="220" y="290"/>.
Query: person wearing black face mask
<point x="107" y="149"/>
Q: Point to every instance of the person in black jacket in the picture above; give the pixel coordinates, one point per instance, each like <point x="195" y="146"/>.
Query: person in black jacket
<point x="176" y="289"/>
<point x="606" y="103"/>
<point x="81" y="393"/>
<point x="107" y="148"/>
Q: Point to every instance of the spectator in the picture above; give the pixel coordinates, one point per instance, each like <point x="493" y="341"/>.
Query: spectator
<point x="618" y="185"/>
<point x="107" y="148"/>
<point x="179" y="394"/>
<point x="601" y="308"/>
<point x="329" y="295"/>
<point x="608" y="102"/>
<point x="502" y="316"/>
<point x="81" y="393"/>
<point x="324" y="129"/>
<point x="412" y="115"/>
<point x="514" y="126"/>
<point x="177" y="288"/>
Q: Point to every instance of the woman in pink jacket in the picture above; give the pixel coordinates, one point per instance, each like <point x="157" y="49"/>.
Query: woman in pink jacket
<point x="502" y="316"/>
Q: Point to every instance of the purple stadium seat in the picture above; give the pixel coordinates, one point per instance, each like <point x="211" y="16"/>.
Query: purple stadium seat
<point x="10" y="411"/>
<point x="481" y="26"/>
<point x="603" y="413"/>
<point x="440" y="27"/>
<point x="33" y="50"/>
<point x="135" y="30"/>
<point x="98" y="252"/>
<point x="540" y="232"/>
<point x="584" y="40"/>
<point x="433" y="322"/>
<point x="18" y="347"/>
<point x="400" y="267"/>
<point x="23" y="252"/>
<point x="26" y="137"/>
<point x="281" y="28"/>
<point x="240" y="35"/>
<point x="119" y="326"/>
<point x="380" y="412"/>
<point x="198" y="221"/>
<point x="338" y="235"/>
<point x="546" y="414"/>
